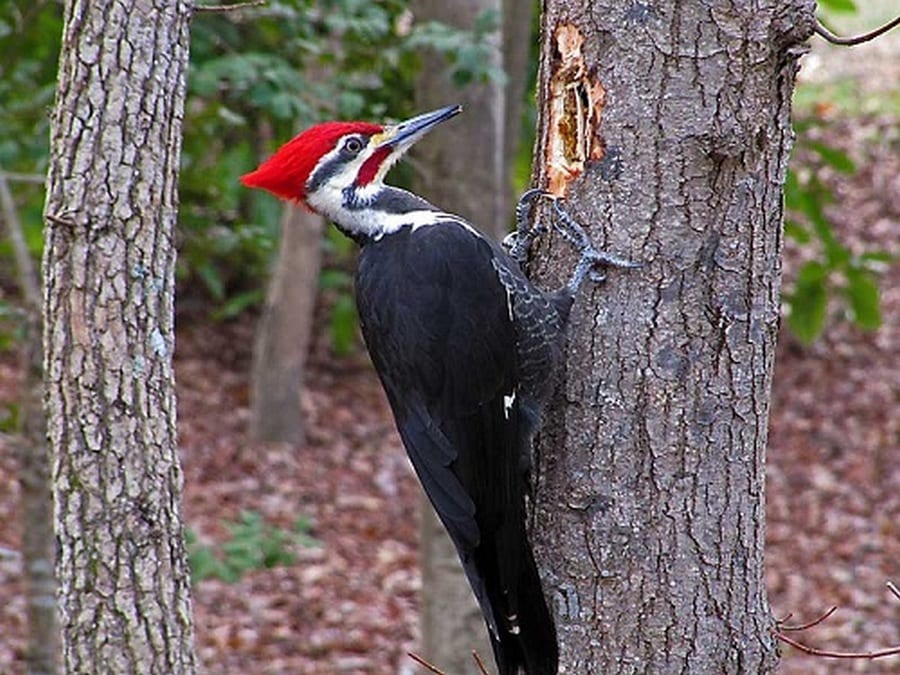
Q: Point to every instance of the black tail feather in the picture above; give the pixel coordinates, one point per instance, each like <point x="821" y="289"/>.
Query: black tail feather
<point x="525" y="638"/>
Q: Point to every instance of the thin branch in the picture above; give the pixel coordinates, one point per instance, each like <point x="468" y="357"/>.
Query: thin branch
<point x="28" y="280"/>
<point x="813" y="651"/>
<point x="892" y="587"/>
<point x="857" y="39"/>
<point x="481" y="667"/>
<point x="229" y="8"/>
<point x="15" y="177"/>
<point x="422" y="662"/>
<point x="805" y="626"/>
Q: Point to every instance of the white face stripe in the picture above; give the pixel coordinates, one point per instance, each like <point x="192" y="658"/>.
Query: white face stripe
<point x="330" y="195"/>
<point x="348" y="170"/>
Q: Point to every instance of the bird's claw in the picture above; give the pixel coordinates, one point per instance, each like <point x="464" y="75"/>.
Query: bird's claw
<point x="593" y="260"/>
<point x="518" y="243"/>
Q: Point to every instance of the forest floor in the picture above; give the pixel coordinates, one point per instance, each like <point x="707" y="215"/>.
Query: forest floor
<point x="349" y="603"/>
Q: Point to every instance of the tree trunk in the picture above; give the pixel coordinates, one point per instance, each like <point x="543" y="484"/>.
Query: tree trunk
<point x="667" y="127"/>
<point x="109" y="336"/>
<point x="283" y="334"/>
<point x="34" y="463"/>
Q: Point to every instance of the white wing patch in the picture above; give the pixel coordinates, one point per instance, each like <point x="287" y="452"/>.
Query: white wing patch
<point x="508" y="402"/>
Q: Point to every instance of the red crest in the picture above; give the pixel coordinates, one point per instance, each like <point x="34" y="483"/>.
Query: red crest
<point x="285" y="173"/>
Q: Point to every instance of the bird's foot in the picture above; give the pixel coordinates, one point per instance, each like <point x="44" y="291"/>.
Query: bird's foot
<point x="593" y="260"/>
<point x="518" y="243"/>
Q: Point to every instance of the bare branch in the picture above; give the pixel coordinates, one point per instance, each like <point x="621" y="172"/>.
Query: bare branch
<point x="422" y="662"/>
<point x="813" y="651"/>
<point x="892" y="587"/>
<point x="805" y="626"/>
<point x="229" y="8"/>
<point x="858" y="39"/>
<point x="15" y="177"/>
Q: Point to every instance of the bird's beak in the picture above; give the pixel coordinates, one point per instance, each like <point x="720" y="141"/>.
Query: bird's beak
<point x="402" y="135"/>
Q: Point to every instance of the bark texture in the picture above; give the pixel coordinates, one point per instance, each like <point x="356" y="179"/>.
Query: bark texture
<point x="109" y="336"/>
<point x="667" y="126"/>
<point x="283" y="334"/>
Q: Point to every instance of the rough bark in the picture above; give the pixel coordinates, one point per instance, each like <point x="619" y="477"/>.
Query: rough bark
<point x="109" y="336"/>
<point x="283" y="334"/>
<point x="38" y="542"/>
<point x="668" y="128"/>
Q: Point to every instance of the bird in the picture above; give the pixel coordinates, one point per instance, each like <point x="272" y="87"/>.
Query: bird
<point x="465" y="346"/>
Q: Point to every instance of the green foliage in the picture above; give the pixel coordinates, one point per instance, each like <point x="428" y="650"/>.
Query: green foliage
<point x="256" y="78"/>
<point x="836" y="273"/>
<point x="253" y="545"/>
<point x="838" y="5"/>
<point x="469" y="52"/>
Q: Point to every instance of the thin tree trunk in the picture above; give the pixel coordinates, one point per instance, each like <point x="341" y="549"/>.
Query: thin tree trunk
<point x="109" y="337"/>
<point x="34" y="464"/>
<point x="283" y="334"/>
<point x="667" y="126"/>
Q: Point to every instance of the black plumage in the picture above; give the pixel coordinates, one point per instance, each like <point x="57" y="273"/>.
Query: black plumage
<point x="438" y="306"/>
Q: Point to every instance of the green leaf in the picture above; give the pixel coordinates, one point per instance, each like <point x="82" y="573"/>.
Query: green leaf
<point x="337" y="279"/>
<point x="343" y="325"/>
<point x="208" y="272"/>
<point x="796" y="231"/>
<point x="835" y="158"/>
<point x="808" y="303"/>
<point x="863" y="296"/>
<point x="839" y="5"/>
<point x="236" y="304"/>
<point x="879" y="257"/>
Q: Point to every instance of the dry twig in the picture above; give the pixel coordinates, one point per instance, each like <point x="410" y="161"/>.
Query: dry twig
<point x="892" y="587"/>
<point x="28" y="278"/>
<point x="481" y="667"/>
<point x="857" y="39"/>
<point x="422" y="662"/>
<point x="804" y="626"/>
<point x="780" y="629"/>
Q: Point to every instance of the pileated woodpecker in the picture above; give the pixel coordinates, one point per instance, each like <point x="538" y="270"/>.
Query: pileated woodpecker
<point x="465" y="347"/>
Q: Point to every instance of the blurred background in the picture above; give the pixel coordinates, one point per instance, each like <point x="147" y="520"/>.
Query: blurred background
<point x="303" y="515"/>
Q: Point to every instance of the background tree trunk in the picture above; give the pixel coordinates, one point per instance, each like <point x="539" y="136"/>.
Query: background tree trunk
<point x="38" y="542"/>
<point x="283" y="334"/>
<point x="109" y="336"/>
<point x="475" y="184"/>
<point x="668" y="127"/>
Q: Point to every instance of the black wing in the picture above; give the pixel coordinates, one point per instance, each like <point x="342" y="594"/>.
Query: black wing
<point x="437" y="324"/>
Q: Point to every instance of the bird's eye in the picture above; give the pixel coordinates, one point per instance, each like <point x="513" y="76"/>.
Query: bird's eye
<point x="353" y="145"/>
